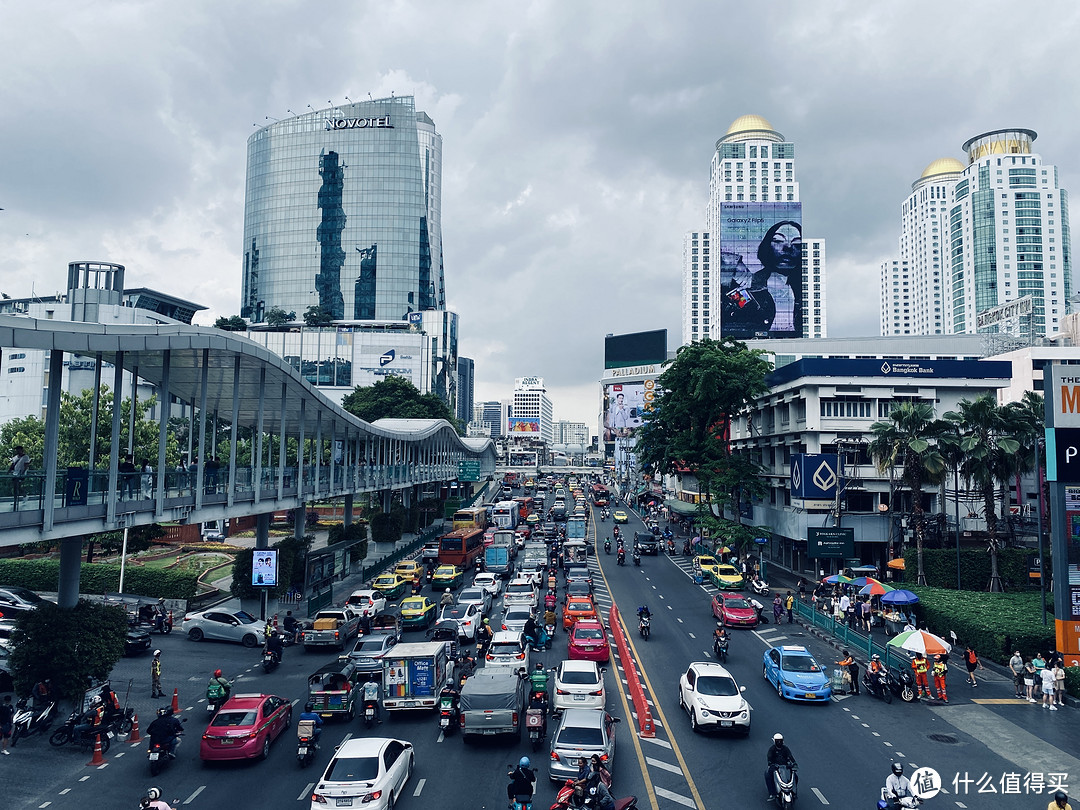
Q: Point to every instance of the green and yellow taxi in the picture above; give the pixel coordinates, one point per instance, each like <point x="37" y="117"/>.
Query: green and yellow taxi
<point x="706" y="564"/>
<point x="726" y="577"/>
<point x="417" y="611"/>
<point x="533" y="519"/>
<point x="447" y="576"/>
<point x="619" y="516"/>
<point x="392" y="585"/>
<point x="409" y="569"/>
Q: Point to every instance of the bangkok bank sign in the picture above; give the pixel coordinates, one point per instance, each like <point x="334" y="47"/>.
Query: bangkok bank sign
<point x="360" y="123"/>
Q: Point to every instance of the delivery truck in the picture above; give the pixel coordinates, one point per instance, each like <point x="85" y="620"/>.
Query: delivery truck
<point x="413" y="675"/>
<point x="492" y="703"/>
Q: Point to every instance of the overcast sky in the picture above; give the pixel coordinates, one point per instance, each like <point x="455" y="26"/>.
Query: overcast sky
<point x="577" y="138"/>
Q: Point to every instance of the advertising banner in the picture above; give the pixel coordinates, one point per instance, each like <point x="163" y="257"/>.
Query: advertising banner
<point x="264" y="567"/>
<point x="830" y="543"/>
<point x="814" y="477"/>
<point x="523" y="426"/>
<point x="625" y="405"/>
<point x="761" y="287"/>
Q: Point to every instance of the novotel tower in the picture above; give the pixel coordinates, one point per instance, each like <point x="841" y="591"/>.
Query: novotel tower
<point x="342" y="211"/>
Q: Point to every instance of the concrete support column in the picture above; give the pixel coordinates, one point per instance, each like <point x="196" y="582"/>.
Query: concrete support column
<point x="348" y="509"/>
<point x="387" y="496"/>
<point x="262" y="541"/>
<point x="70" y="563"/>
<point x="52" y="433"/>
<point x="299" y="520"/>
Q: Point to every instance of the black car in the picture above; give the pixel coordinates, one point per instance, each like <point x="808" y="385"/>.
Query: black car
<point x="136" y="641"/>
<point x="647" y="543"/>
<point x="14" y="599"/>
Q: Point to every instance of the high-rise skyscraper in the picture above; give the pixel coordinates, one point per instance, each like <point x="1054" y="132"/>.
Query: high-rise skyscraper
<point x="343" y="210"/>
<point x="977" y="237"/>
<point x="531" y="412"/>
<point x="465" y="389"/>
<point x="770" y="279"/>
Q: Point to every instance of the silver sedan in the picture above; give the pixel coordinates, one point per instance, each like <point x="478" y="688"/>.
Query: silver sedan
<point x="224" y="625"/>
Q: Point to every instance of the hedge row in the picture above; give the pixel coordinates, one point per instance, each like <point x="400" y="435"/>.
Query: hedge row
<point x="995" y="624"/>
<point x="44" y="575"/>
<point x="939" y="565"/>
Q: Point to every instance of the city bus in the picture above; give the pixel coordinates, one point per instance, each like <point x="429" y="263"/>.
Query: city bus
<point x="474" y="517"/>
<point x="461" y="547"/>
<point x="526" y="506"/>
<point x="600" y="495"/>
<point x="505" y="515"/>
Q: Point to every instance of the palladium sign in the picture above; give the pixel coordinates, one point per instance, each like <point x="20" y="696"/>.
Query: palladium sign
<point x="360" y="123"/>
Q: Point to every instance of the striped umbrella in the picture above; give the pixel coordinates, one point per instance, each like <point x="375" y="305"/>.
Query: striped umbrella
<point x="920" y="641"/>
<point x="837" y="579"/>
<point x="874" y="588"/>
<point x="860" y="581"/>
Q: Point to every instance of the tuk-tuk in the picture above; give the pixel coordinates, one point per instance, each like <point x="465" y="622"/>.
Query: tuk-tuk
<point x="446" y="630"/>
<point x="333" y="689"/>
<point x="386" y="623"/>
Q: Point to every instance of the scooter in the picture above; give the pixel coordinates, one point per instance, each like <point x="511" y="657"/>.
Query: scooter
<point x="369" y="712"/>
<point x="270" y="660"/>
<point x="536" y="723"/>
<point x="29" y="721"/>
<point x="880" y="686"/>
<point x="157" y="754"/>
<point x="563" y="797"/>
<point x="518" y="802"/>
<point x="785" y="782"/>
<point x="903" y="802"/>
<point x="621" y="559"/>
<point x="215" y="703"/>
<point x="760" y="587"/>
<point x="305" y="749"/>
<point x="449" y="711"/>
<point x="549" y="631"/>
<point x="607" y="546"/>
<point x="720" y="648"/>
<point x="671" y="547"/>
<point x="645" y="627"/>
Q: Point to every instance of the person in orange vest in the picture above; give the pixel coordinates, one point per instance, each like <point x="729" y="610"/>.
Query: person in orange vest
<point x="940" y="671"/>
<point x="920" y="667"/>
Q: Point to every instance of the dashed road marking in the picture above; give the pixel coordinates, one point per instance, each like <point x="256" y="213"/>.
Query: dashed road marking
<point x="876" y="734"/>
<point x="656" y="741"/>
<point x="691" y="635"/>
<point x="419" y="787"/>
<point x="817" y="793"/>
<point x="46" y="804"/>
<point x="680" y="621"/>
<point x="192" y="797"/>
<point x="666" y="766"/>
<point x="65" y="791"/>
<point x="306" y="792"/>
<point x="685" y="801"/>
<point x="83" y="778"/>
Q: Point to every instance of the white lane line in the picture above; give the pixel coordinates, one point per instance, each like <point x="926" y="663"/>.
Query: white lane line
<point x="46" y="804"/>
<point x="900" y="755"/>
<point x="866" y="725"/>
<point x="667" y="766"/>
<point x="887" y="743"/>
<point x="117" y="756"/>
<point x="198" y="790"/>
<point x="821" y="798"/>
<point x="306" y="792"/>
<point x="65" y="791"/>
<point x="775" y="639"/>
<point x="419" y="787"/>
<point x="656" y="741"/>
<point x="685" y="801"/>
<point x="441" y="737"/>
<point x="670" y="608"/>
<point x="294" y="702"/>
<point x="876" y="734"/>
<point x="680" y="621"/>
<point x="691" y="635"/>
<point x="854" y="716"/>
<point x="958" y="804"/>
<point x="83" y="778"/>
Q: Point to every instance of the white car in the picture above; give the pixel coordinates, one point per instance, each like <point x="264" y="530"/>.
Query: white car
<point x="709" y="694"/>
<point x="368" y="772"/>
<point x="579" y="685"/>
<point x="490" y="583"/>
<point x="224" y="625"/>
<point x="515" y="617"/>
<point x="521" y="591"/>
<point x="374" y="602"/>
<point x="508" y="650"/>
<point x="467" y="616"/>
<point x="475" y="595"/>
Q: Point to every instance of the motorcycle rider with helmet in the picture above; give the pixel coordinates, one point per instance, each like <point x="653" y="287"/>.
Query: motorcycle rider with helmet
<point x="165" y="731"/>
<point x="308" y="714"/>
<point x="218" y="688"/>
<point x="274" y="645"/>
<point x="876" y="672"/>
<point x="522" y="779"/>
<point x="897" y="785"/>
<point x="91" y="718"/>
<point x="446" y="599"/>
<point x="779" y="754"/>
<point x="153" y="801"/>
<point x="1060" y="802"/>
<point x="538" y="681"/>
<point x="371" y="695"/>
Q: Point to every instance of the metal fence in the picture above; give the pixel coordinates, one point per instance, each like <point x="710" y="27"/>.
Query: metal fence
<point x="851" y="639"/>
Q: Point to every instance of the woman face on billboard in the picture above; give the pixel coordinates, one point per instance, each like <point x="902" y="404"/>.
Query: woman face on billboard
<point x="780" y="250"/>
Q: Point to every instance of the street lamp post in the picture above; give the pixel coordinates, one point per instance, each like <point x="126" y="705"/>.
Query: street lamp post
<point x="956" y="484"/>
<point x="1042" y="571"/>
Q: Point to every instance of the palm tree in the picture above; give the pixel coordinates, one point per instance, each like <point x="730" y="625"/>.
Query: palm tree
<point x="988" y="446"/>
<point x="908" y="439"/>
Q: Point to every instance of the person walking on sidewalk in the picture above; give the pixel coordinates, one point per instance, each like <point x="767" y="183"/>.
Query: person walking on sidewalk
<point x="865" y="614"/>
<point x="1016" y="665"/>
<point x="789" y="605"/>
<point x="941" y="669"/>
<point x="155" y="676"/>
<point x="919" y="664"/>
<point x="777" y="609"/>
<point x="1047" y="676"/>
<point x="851" y="672"/>
<point x="1059" y="683"/>
<point x="1029" y="681"/>
<point x="972" y="661"/>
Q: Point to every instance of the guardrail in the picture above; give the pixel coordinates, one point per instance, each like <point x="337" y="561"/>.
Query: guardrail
<point x="841" y="631"/>
<point x="646" y="727"/>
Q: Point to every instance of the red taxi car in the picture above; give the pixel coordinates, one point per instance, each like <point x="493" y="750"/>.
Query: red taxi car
<point x="588" y="642"/>
<point x="244" y="727"/>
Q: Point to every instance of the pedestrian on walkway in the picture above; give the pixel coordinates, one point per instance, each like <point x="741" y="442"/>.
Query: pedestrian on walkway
<point x="1029" y="681"/>
<point x="851" y="672"/>
<point x="1059" y="683"/>
<point x="20" y="463"/>
<point x="919" y="665"/>
<point x="155" y="676"/>
<point x="789" y="605"/>
<point x="865" y="614"/>
<point x="941" y="669"/>
<point x="7" y="722"/>
<point x="802" y="589"/>
<point x="1047" y="676"/>
<point x="1016" y="665"/>
<point x="973" y="662"/>
<point x="777" y="609"/>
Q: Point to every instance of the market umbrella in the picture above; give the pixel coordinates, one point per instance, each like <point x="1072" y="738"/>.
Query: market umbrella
<point x="874" y="588"/>
<point x="897" y="564"/>
<point x="899" y="597"/>
<point x="920" y="641"/>
<point x="860" y="581"/>
<point x="724" y="550"/>
<point x="837" y="579"/>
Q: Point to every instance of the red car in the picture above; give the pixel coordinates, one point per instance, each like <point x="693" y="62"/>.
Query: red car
<point x="244" y="727"/>
<point x="588" y="642"/>
<point x="734" y="610"/>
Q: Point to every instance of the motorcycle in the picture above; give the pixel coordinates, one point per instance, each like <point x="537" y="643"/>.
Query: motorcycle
<point x="645" y="627"/>
<point x="549" y="629"/>
<point x="213" y="703"/>
<point x="671" y="547"/>
<point x="621" y="559"/>
<point x="686" y="550"/>
<point x="157" y="754"/>
<point x="760" y="587"/>
<point x="449" y="710"/>
<point x="305" y="749"/>
<point x="85" y="739"/>
<point x="369" y="712"/>
<point x="903" y="802"/>
<point x="785" y="782"/>
<point x="637" y="557"/>
<point x="518" y="802"/>
<point x="564" y="796"/>
<point x="270" y="660"/>
<point x="881" y="686"/>
<point x="607" y="546"/>
<point x="603" y="517"/>
<point x="536" y="723"/>
<point x="721" y="648"/>
<point x="29" y="721"/>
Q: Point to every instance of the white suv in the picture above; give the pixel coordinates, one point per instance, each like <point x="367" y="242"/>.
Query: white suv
<point x="578" y="685"/>
<point x="520" y="591"/>
<point x="709" y="694"/>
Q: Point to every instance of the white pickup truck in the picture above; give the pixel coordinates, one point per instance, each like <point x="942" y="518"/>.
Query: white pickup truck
<point x="333" y="627"/>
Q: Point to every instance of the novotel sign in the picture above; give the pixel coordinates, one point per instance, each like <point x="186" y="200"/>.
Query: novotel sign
<point x="360" y="123"/>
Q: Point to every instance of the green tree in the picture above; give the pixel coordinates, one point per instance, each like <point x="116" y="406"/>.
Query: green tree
<point x="277" y="317"/>
<point x="987" y="446"/>
<point x="395" y="398"/>
<point x="701" y="391"/>
<point x="316" y="315"/>
<point x="908" y="440"/>
<point x="69" y="646"/>
<point x="139" y="539"/>
<point x="233" y="324"/>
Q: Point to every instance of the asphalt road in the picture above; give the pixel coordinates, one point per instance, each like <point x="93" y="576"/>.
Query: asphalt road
<point x="844" y="747"/>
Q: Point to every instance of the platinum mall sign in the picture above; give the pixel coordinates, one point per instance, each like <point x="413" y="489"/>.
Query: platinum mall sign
<point x="360" y="123"/>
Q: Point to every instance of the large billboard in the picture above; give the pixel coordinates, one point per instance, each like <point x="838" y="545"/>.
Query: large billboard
<point x="625" y="405"/>
<point x="526" y="426"/>
<point x="636" y="349"/>
<point x="761" y="280"/>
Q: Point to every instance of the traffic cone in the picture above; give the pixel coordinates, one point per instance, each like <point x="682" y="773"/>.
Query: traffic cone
<point x="175" y="700"/>
<point x="97" y="759"/>
<point x="134" y="736"/>
<point x="275" y="623"/>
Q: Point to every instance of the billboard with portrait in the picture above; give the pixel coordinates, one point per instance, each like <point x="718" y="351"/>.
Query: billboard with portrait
<point x="625" y="405"/>
<point x="264" y="567"/>
<point x="761" y="279"/>
<point x="527" y="426"/>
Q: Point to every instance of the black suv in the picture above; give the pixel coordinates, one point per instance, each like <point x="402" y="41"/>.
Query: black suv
<point x="647" y="542"/>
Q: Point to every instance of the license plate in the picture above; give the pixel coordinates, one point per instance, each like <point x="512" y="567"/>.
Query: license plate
<point x="410" y="703"/>
<point x="344" y="802"/>
<point x="489" y="731"/>
<point x="154" y="757"/>
<point x="810" y="696"/>
<point x="726" y="723"/>
<point x="228" y="741"/>
<point x="579" y="697"/>
<point x="303" y="751"/>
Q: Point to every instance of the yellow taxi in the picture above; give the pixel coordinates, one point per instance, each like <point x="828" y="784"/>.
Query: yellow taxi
<point x="619" y="516"/>
<point x="408" y="569"/>
<point x="447" y="576"/>
<point x="392" y="585"/>
<point x="726" y="578"/>
<point x="417" y="611"/>
<point x="706" y="564"/>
